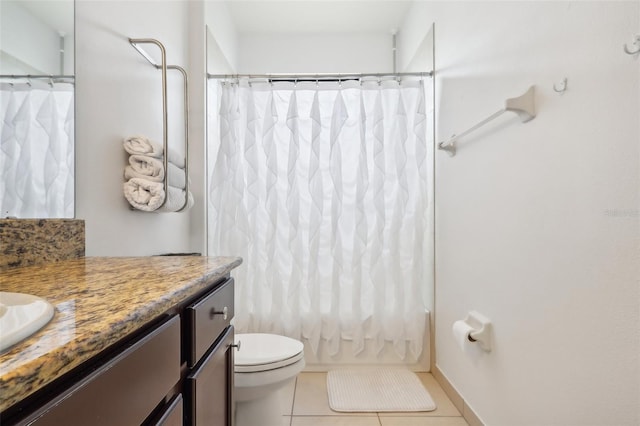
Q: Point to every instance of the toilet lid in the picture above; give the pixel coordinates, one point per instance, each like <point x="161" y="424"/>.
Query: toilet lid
<point x="260" y="351"/>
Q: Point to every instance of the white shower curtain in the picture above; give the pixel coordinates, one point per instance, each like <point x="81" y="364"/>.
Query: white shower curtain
<point x="36" y="150"/>
<point x="322" y="189"/>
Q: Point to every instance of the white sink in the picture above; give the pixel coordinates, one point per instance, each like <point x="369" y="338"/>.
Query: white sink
<point x="21" y="315"/>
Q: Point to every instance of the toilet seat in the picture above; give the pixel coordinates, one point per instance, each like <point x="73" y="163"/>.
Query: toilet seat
<point x="263" y="352"/>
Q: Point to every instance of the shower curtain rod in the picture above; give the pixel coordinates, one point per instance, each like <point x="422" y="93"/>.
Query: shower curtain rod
<point x="71" y="77"/>
<point x="320" y="76"/>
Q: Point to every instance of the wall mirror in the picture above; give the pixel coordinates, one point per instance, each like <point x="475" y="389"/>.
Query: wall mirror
<point x="37" y="122"/>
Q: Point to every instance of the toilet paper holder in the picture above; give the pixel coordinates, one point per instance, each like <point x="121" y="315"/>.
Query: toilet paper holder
<point x="481" y="333"/>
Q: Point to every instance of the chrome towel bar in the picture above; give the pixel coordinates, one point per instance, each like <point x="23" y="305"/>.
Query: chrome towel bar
<point x="523" y="105"/>
<point x="136" y="42"/>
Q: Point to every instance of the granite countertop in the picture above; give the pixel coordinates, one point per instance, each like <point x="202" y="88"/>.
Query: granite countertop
<point x="97" y="302"/>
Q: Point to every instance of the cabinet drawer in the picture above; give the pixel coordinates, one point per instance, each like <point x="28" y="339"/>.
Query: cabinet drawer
<point x="125" y="389"/>
<point x="206" y="319"/>
<point x="210" y="386"/>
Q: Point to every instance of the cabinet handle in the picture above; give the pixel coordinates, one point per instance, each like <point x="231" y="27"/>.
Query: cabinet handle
<point x="237" y="345"/>
<point x="224" y="312"/>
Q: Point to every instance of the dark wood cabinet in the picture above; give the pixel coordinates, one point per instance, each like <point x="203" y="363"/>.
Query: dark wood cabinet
<point x="210" y="386"/>
<point x="171" y="415"/>
<point x="209" y="338"/>
<point x="178" y="371"/>
<point x="124" y="390"/>
<point x="206" y="319"/>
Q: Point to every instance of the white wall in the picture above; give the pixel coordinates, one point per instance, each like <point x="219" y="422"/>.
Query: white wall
<point x="223" y="39"/>
<point x="27" y="45"/>
<point x="69" y="54"/>
<point x="118" y="94"/>
<point x="197" y="45"/>
<point x="314" y="53"/>
<point x="537" y="224"/>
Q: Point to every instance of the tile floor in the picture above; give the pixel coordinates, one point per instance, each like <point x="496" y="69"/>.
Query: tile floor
<point x="305" y="403"/>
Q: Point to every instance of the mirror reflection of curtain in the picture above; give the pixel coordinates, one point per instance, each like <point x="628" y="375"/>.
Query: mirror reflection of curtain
<point x="36" y="150"/>
<point x="322" y="189"/>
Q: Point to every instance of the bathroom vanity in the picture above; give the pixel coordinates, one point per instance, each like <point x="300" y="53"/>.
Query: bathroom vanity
<point x="133" y="341"/>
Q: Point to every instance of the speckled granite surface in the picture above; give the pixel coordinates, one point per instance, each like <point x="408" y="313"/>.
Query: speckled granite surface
<point x="26" y="242"/>
<point x="97" y="301"/>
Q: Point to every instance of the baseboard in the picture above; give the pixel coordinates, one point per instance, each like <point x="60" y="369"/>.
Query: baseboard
<point x="469" y="415"/>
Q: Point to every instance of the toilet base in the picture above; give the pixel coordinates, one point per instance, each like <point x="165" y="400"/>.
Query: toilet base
<point x="265" y="411"/>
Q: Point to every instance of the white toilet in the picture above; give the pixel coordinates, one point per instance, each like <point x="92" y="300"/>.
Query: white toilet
<point x="264" y="364"/>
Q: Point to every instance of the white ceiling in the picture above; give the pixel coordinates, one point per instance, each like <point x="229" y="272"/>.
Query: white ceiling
<point x="268" y="16"/>
<point x="317" y="16"/>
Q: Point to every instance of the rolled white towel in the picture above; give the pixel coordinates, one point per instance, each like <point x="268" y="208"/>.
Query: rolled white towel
<point x="175" y="200"/>
<point x="147" y="196"/>
<point x="145" y="167"/>
<point x="144" y="194"/>
<point x="142" y="145"/>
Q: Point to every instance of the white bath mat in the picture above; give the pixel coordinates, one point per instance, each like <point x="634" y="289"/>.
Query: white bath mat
<point x="377" y="390"/>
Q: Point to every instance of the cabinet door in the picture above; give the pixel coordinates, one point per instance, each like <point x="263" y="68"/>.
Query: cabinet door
<point x="126" y="389"/>
<point x="210" y="386"/>
<point x="171" y="415"/>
